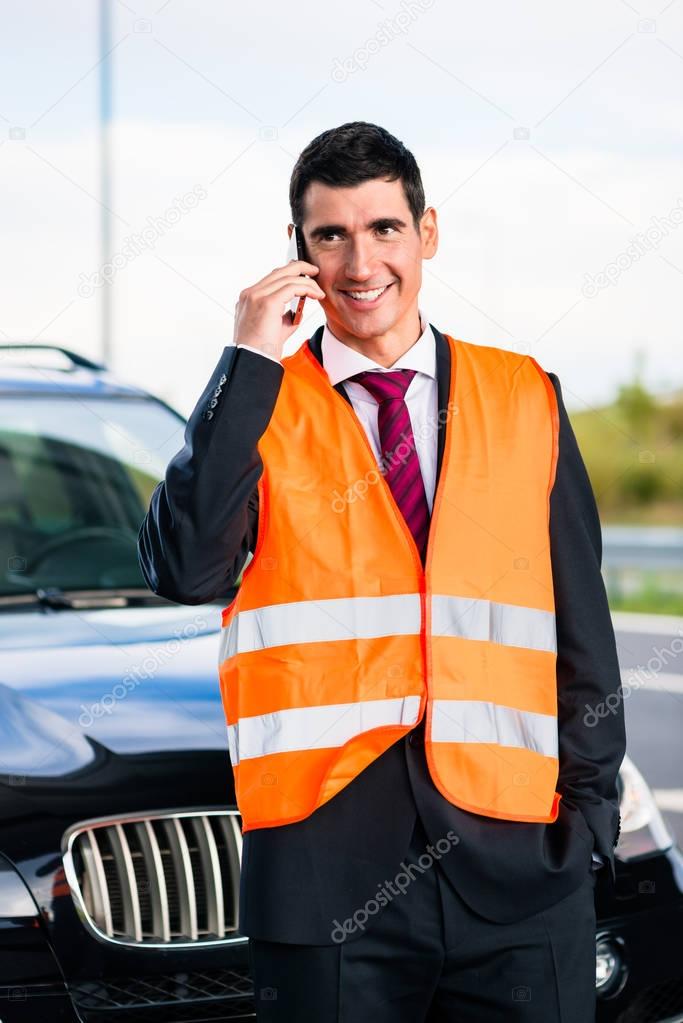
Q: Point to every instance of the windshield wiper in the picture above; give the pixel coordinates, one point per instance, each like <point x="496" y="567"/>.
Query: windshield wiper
<point x="59" y="600"/>
<point x="56" y="599"/>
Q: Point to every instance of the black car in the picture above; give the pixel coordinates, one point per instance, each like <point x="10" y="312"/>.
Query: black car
<point x="120" y="844"/>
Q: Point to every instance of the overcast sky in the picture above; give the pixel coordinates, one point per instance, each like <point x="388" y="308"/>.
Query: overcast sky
<point x="549" y="138"/>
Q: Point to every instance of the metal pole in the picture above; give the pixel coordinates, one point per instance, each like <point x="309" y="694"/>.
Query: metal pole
<point x="105" y="176"/>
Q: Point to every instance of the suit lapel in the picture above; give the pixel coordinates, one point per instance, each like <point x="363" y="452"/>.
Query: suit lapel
<point x="443" y="377"/>
<point x="315" y="344"/>
<point x="443" y="384"/>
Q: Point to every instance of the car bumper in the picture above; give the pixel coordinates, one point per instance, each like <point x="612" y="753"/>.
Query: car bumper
<point x="645" y="925"/>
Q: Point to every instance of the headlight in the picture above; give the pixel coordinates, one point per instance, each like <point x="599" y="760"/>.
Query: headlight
<point x="643" y="829"/>
<point x="36" y="741"/>
<point x="610" y="965"/>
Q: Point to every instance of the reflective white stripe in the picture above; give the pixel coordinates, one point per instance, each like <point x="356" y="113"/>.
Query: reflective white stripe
<point x="232" y="744"/>
<point x="324" y="621"/>
<point x="481" y="721"/>
<point x="321" y="621"/>
<point x="303" y="728"/>
<point x="509" y="624"/>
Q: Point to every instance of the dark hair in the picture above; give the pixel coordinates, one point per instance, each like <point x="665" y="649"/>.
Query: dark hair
<point x="351" y="154"/>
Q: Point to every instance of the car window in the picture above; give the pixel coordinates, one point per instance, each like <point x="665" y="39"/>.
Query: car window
<point x="76" y="477"/>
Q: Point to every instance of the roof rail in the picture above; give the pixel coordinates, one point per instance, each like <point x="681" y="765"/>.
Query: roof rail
<point x="74" y="357"/>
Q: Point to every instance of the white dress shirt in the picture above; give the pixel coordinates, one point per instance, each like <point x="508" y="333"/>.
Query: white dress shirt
<point x="341" y="362"/>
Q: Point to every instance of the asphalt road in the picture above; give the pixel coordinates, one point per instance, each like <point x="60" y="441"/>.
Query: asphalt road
<point x="652" y="679"/>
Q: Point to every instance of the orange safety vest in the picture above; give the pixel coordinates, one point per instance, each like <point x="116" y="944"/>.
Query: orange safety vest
<point x="338" y="641"/>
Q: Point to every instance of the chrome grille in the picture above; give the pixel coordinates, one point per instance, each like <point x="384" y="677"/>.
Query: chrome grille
<point x="159" y="879"/>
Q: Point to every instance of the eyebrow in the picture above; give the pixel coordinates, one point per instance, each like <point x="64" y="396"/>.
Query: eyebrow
<point x="318" y="232"/>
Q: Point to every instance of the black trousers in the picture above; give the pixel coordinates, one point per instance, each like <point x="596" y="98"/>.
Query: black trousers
<point x="414" y="952"/>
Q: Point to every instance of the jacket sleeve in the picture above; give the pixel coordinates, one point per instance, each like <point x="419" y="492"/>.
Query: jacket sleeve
<point x="202" y="519"/>
<point x="592" y="736"/>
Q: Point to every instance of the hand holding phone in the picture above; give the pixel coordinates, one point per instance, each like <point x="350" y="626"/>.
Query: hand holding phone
<point x="260" y="321"/>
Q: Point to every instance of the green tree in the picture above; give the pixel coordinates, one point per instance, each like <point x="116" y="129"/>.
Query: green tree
<point x="636" y="404"/>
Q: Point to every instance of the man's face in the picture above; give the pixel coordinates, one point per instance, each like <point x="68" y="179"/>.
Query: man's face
<point x="363" y="239"/>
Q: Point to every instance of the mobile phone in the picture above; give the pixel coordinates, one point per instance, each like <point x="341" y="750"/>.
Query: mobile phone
<point x="296" y="250"/>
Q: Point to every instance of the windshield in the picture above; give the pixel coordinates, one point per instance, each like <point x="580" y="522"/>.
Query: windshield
<point x="76" y="477"/>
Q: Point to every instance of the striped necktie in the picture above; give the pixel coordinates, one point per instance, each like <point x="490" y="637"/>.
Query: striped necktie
<point x="400" y="464"/>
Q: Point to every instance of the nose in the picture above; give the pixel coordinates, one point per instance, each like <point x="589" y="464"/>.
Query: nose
<point x="359" y="260"/>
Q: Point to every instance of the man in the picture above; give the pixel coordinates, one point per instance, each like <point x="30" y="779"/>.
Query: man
<point x="407" y="664"/>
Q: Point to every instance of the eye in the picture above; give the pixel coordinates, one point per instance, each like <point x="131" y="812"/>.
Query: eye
<point x="335" y="234"/>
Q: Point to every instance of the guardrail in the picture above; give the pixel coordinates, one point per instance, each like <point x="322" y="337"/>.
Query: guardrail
<point x="643" y="567"/>
<point x="645" y="547"/>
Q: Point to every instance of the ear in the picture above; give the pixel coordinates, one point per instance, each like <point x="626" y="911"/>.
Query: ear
<point x="429" y="232"/>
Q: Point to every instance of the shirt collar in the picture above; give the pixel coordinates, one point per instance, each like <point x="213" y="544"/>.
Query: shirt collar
<point x="341" y="362"/>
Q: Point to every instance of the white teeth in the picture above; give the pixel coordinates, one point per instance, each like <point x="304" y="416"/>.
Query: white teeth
<point x="367" y="296"/>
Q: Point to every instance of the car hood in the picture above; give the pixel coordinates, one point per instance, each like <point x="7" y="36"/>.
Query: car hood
<point x="136" y="680"/>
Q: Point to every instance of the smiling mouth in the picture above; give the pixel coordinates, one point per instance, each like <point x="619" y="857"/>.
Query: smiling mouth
<point x="366" y="296"/>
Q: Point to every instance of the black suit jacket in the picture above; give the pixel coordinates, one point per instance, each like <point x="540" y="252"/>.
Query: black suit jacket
<point x="298" y="879"/>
